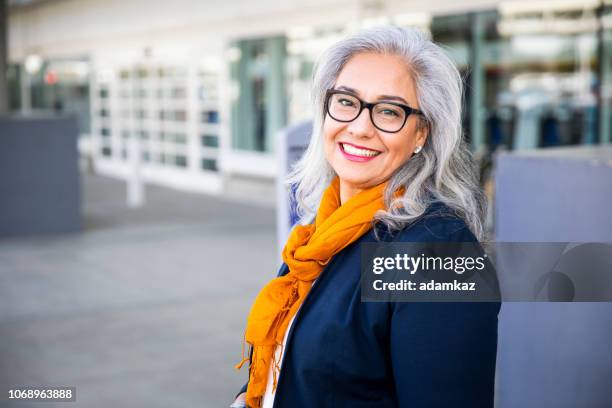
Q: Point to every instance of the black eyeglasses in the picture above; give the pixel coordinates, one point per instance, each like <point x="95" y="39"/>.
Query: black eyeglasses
<point x="389" y="117"/>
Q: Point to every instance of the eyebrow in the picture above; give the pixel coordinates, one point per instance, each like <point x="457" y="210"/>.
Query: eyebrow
<point x="387" y="97"/>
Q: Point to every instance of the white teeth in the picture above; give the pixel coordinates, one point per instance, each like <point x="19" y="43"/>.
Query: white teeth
<point x="359" y="152"/>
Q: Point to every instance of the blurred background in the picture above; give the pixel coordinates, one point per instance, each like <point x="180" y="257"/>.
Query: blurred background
<point x="142" y="143"/>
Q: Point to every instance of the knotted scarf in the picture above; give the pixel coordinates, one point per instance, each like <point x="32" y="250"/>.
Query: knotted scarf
<point x="308" y="249"/>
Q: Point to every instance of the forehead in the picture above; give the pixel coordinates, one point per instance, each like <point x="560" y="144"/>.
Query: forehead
<point x="374" y="74"/>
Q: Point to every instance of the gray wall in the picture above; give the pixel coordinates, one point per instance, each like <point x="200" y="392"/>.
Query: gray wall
<point x="555" y="354"/>
<point x="39" y="177"/>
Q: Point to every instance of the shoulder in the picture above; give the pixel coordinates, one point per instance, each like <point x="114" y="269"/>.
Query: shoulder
<point x="439" y="223"/>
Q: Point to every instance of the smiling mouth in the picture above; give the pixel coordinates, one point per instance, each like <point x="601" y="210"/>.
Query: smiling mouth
<point x="358" y="151"/>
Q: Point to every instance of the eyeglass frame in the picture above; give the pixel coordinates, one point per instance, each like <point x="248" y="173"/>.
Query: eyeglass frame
<point x="367" y="105"/>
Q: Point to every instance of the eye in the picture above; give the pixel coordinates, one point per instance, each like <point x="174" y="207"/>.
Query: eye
<point x="389" y="112"/>
<point x="345" y="102"/>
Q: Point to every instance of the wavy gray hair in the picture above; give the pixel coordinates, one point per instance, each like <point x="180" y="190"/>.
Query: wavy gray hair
<point x="443" y="171"/>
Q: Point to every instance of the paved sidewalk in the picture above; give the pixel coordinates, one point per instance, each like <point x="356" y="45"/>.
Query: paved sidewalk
<point x="145" y="308"/>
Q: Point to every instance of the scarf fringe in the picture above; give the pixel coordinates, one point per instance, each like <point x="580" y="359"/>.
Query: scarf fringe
<point x="244" y="358"/>
<point x="276" y="366"/>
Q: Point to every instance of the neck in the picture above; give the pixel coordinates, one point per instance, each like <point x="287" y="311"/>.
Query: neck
<point x="347" y="192"/>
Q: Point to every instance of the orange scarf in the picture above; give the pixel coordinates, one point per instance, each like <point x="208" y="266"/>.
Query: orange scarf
<point x="308" y="250"/>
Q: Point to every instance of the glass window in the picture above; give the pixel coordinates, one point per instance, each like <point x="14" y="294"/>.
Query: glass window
<point x="209" y="164"/>
<point x="178" y="92"/>
<point x="531" y="76"/>
<point x="62" y="86"/>
<point x="454" y="33"/>
<point x="210" y="141"/>
<point x="540" y="71"/>
<point x="605" y="72"/>
<point x="142" y="73"/>
<point x="210" y="116"/>
<point x="208" y="93"/>
<point x="14" y="76"/>
<point x="181" y="161"/>
<point x="259" y="111"/>
<point x="180" y="138"/>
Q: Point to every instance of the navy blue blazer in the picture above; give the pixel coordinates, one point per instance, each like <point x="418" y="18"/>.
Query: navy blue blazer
<point x="342" y="352"/>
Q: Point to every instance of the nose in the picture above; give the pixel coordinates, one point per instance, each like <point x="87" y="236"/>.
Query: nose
<point x="362" y="126"/>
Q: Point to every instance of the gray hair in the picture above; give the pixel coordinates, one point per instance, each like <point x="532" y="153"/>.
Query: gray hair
<point x="443" y="170"/>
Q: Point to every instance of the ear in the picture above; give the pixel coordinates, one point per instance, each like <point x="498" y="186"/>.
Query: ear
<point x="422" y="133"/>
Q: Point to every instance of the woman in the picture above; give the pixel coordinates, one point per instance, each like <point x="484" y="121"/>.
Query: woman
<point x="385" y="162"/>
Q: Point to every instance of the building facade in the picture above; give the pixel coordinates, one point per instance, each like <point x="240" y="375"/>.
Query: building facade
<point x="191" y="94"/>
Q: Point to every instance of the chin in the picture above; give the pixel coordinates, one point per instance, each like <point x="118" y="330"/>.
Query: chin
<point x="357" y="180"/>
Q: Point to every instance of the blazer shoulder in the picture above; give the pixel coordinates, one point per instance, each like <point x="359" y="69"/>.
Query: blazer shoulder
<point x="439" y="223"/>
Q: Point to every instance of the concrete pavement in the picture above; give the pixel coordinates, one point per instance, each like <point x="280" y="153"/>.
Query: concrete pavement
<point x="145" y="308"/>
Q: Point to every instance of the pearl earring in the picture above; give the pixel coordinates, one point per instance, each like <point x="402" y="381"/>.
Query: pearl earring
<point x="418" y="149"/>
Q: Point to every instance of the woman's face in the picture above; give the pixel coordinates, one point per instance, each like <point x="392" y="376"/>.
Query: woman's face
<point x="362" y="155"/>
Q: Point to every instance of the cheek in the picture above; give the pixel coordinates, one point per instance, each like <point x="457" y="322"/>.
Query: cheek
<point x="330" y="131"/>
<point x="400" y="149"/>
